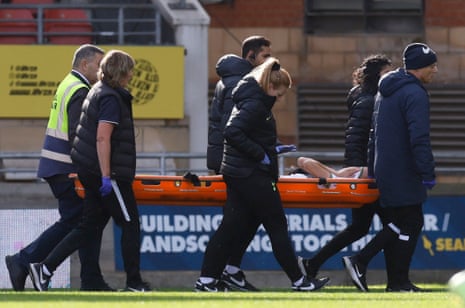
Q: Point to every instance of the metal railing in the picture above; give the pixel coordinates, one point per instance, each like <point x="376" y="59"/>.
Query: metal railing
<point x="148" y="162"/>
<point x="176" y="163"/>
<point x="111" y="23"/>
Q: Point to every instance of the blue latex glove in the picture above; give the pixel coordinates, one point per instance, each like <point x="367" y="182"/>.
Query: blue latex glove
<point x="284" y="148"/>
<point x="106" y="188"/>
<point x="429" y="184"/>
<point x="266" y="160"/>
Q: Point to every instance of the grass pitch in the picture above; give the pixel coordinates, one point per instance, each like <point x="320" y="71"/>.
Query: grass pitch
<point x="332" y="296"/>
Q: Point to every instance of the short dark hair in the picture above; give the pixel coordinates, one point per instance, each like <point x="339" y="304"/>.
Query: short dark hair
<point x="254" y="43"/>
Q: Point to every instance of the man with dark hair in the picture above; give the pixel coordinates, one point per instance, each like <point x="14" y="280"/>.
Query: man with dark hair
<point x="55" y="166"/>
<point x="256" y="49"/>
<point x="231" y="68"/>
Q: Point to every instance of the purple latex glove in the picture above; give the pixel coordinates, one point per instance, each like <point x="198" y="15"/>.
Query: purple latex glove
<point x="106" y="188"/>
<point x="284" y="148"/>
<point x="429" y="184"/>
<point x="266" y="160"/>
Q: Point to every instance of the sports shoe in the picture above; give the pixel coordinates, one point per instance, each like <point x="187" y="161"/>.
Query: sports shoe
<point x="100" y="286"/>
<point x="306" y="268"/>
<point x="215" y="286"/>
<point x="17" y="272"/>
<point x="140" y="286"/>
<point x="407" y="287"/>
<point x="357" y="271"/>
<point x="237" y="281"/>
<point x="40" y="280"/>
<point x="311" y="284"/>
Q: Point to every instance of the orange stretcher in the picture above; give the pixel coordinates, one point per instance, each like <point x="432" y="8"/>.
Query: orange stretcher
<point x="210" y="190"/>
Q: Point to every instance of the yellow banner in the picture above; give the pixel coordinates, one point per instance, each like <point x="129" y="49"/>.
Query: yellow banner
<point x="30" y="75"/>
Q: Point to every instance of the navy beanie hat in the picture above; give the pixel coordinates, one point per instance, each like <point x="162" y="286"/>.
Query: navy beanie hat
<point x="418" y="55"/>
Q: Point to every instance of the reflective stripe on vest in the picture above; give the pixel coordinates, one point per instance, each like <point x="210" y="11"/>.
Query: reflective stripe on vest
<point x="56" y="156"/>
<point x="58" y="122"/>
<point x="56" y="145"/>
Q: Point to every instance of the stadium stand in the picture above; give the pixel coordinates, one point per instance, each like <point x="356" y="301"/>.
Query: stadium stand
<point x="67" y="26"/>
<point x="32" y="1"/>
<point x="17" y="26"/>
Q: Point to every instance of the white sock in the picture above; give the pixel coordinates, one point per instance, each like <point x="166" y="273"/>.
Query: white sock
<point x="231" y="269"/>
<point x="46" y="271"/>
<point x="206" y="280"/>
<point x="299" y="282"/>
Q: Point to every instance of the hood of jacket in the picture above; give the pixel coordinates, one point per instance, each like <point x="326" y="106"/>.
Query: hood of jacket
<point x="248" y="89"/>
<point x="395" y="80"/>
<point x="232" y="65"/>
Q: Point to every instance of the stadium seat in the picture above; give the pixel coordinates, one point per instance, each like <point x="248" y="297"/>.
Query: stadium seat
<point x="67" y="26"/>
<point x="17" y="26"/>
<point x="32" y="1"/>
<point x="34" y="11"/>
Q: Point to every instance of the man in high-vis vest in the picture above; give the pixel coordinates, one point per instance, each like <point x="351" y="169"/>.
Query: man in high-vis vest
<point x="55" y="166"/>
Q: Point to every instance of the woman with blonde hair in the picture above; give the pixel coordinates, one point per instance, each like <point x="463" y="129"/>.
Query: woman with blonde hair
<point x="250" y="170"/>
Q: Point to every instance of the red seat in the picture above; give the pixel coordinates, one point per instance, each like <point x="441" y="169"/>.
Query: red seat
<point x="67" y="26"/>
<point x="32" y="1"/>
<point x="34" y="11"/>
<point x="20" y="24"/>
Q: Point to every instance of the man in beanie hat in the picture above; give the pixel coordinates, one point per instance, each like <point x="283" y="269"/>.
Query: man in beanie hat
<point x="402" y="162"/>
<point x="418" y="55"/>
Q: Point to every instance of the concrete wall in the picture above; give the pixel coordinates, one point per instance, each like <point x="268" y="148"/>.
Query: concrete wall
<point x="330" y="58"/>
<point x="151" y="136"/>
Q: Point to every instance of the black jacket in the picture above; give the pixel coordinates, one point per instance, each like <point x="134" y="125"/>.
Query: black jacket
<point x="250" y="132"/>
<point x="360" y="105"/>
<point x="123" y="149"/>
<point x="231" y="69"/>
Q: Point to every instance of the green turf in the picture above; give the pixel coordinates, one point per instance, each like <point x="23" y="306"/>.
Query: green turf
<point x="345" y="297"/>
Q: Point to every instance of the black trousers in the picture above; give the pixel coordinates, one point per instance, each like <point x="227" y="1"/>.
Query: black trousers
<point x="251" y="201"/>
<point x="70" y="207"/>
<point x="97" y="211"/>
<point x="239" y="247"/>
<point x="361" y="222"/>
<point x="398" y="238"/>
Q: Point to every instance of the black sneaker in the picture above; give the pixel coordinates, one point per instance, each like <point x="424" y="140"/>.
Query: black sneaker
<point x="311" y="284"/>
<point x="18" y="273"/>
<point x="306" y="268"/>
<point x="357" y="271"/>
<point x="101" y="286"/>
<point x="215" y="286"/>
<point x="407" y="287"/>
<point x="237" y="281"/>
<point x="40" y="280"/>
<point x="140" y="286"/>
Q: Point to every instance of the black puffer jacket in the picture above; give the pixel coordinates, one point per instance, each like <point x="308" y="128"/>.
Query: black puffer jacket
<point x="231" y="69"/>
<point x="250" y="132"/>
<point x="123" y="148"/>
<point x="360" y="105"/>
